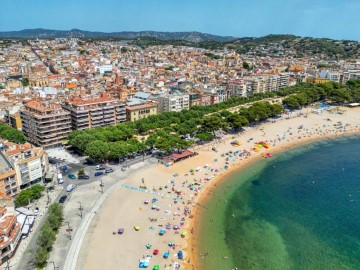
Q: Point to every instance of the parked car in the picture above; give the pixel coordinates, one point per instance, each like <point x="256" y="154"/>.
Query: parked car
<point x="99" y="173"/>
<point x="109" y="170"/>
<point x="52" y="161"/>
<point x="100" y="167"/>
<point x="70" y="187"/>
<point x="72" y="176"/>
<point x="83" y="176"/>
<point x="60" y="178"/>
<point x="63" y="199"/>
<point x="65" y="168"/>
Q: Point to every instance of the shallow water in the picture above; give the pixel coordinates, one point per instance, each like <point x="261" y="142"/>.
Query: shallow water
<point x="298" y="210"/>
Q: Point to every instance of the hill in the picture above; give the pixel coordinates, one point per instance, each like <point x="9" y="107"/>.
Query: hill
<point x="76" y="33"/>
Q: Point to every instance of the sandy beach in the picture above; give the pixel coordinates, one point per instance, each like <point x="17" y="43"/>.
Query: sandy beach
<point x="171" y="195"/>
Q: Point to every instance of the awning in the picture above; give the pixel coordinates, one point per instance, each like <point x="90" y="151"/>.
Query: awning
<point x="25" y="230"/>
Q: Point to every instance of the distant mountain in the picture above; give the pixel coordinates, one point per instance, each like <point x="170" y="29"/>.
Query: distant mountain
<point x="76" y="33"/>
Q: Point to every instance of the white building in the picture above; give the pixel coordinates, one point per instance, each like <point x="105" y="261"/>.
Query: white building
<point x="174" y="102"/>
<point x="103" y="69"/>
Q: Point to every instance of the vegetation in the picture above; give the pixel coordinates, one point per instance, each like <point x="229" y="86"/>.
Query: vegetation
<point x="170" y="131"/>
<point x="302" y="46"/>
<point x="47" y="234"/>
<point x="333" y="92"/>
<point x="213" y="56"/>
<point x="11" y="134"/>
<point x="28" y="195"/>
<point x="25" y="81"/>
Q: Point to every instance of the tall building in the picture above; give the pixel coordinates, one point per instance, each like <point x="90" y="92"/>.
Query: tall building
<point x="95" y="111"/>
<point x="45" y="124"/>
<point x="10" y="228"/>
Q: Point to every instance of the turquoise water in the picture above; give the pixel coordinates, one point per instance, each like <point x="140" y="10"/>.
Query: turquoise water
<point x="298" y="210"/>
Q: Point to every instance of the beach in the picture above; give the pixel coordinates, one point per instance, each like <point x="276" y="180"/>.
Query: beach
<point x="179" y="194"/>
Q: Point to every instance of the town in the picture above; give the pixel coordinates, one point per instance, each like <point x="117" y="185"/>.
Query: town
<point x="52" y="90"/>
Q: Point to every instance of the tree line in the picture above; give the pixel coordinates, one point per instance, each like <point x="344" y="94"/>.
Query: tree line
<point x="331" y="92"/>
<point x="170" y="131"/>
<point x="48" y="232"/>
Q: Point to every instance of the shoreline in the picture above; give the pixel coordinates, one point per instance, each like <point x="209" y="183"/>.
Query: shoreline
<point x="204" y="196"/>
<point x="214" y="169"/>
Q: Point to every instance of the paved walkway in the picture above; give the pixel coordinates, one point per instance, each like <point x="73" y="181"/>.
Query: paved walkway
<point x="91" y="200"/>
<point x="62" y="154"/>
<point x="24" y="250"/>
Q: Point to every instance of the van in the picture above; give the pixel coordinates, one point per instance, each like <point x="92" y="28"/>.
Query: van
<point x="60" y="178"/>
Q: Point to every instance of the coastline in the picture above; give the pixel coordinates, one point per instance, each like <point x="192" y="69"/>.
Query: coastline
<point x="241" y="165"/>
<point x="99" y="252"/>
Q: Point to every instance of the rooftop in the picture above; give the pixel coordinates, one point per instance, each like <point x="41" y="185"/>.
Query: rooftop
<point x="104" y="97"/>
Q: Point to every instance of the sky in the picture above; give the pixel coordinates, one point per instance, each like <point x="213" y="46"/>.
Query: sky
<point x="338" y="19"/>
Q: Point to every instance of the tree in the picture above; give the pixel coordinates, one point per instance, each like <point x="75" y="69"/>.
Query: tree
<point x="81" y="171"/>
<point x="97" y="150"/>
<point x="41" y="256"/>
<point x="25" y="81"/>
<point x="246" y="65"/>
<point x="237" y="121"/>
<point x="212" y="123"/>
<point x="291" y="102"/>
<point x="46" y="237"/>
<point x="205" y="136"/>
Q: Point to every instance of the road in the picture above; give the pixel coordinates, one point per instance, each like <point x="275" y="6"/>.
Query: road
<point x="27" y="262"/>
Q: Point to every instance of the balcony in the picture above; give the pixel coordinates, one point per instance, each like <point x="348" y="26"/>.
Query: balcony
<point x="94" y="118"/>
<point x="98" y="112"/>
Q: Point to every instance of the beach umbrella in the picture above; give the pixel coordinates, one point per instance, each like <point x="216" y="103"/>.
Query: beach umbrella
<point x="137" y="228"/>
<point x="156" y="267"/>
<point x="180" y="255"/>
<point x="175" y="227"/>
<point x="154" y="200"/>
<point x="191" y="170"/>
<point x="146" y="201"/>
<point x="183" y="234"/>
<point x="170" y="244"/>
<point x="162" y="232"/>
<point x="166" y="255"/>
<point x="148" y="246"/>
<point x="155" y="252"/>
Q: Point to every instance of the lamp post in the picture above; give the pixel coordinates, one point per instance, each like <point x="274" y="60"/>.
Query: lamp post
<point x="55" y="267"/>
<point x="7" y="265"/>
<point x="48" y="197"/>
<point x="80" y="209"/>
<point x="101" y="186"/>
<point x="69" y="229"/>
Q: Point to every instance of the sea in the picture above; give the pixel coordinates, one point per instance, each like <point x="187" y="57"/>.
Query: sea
<point x="299" y="209"/>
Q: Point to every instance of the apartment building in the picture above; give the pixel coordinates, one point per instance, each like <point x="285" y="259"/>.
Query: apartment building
<point x="29" y="162"/>
<point x="136" y="110"/>
<point x="45" y="124"/>
<point x="21" y="165"/>
<point x="8" y="183"/>
<point x="237" y="89"/>
<point x="89" y="112"/>
<point x="174" y="102"/>
<point x="10" y="228"/>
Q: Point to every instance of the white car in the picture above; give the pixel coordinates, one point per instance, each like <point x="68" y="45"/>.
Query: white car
<point x="70" y="187"/>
